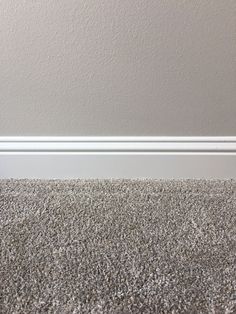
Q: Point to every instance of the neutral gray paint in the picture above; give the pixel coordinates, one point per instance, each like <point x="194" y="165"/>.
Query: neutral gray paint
<point x="113" y="67"/>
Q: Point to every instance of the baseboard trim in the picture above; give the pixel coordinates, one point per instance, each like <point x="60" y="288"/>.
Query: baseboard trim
<point x="118" y="157"/>
<point x="118" y="144"/>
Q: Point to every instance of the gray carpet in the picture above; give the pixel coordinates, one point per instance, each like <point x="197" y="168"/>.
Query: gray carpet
<point x="117" y="246"/>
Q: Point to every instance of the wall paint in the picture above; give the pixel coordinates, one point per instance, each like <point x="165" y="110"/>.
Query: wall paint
<point x="112" y="67"/>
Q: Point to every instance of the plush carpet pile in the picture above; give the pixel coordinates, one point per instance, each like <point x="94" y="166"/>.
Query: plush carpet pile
<point x="117" y="246"/>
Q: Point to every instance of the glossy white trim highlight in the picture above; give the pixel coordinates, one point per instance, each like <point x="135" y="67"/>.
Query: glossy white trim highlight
<point x="118" y="144"/>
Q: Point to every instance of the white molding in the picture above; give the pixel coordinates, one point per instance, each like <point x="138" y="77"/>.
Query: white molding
<point x="117" y="157"/>
<point x="118" y="144"/>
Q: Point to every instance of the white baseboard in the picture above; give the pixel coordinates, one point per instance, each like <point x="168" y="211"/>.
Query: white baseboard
<point x="118" y="157"/>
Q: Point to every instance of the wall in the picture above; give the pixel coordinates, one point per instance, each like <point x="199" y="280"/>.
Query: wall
<point x="117" y="67"/>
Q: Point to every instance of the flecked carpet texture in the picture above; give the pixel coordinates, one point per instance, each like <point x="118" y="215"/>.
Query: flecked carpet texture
<point x="117" y="246"/>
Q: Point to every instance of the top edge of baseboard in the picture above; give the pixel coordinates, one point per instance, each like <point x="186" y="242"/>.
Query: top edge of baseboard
<point x="121" y="144"/>
<point x="117" y="138"/>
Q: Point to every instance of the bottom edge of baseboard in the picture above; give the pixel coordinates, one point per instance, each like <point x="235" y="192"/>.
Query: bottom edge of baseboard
<point x="118" y="166"/>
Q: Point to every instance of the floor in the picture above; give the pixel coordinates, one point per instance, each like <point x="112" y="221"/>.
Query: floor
<point x="118" y="246"/>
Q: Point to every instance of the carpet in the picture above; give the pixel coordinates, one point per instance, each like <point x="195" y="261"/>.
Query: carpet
<point x="117" y="246"/>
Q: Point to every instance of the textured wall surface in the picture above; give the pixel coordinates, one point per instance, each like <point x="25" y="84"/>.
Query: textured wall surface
<point x="111" y="67"/>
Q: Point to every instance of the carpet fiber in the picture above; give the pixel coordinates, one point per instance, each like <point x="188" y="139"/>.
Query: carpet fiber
<point x="117" y="246"/>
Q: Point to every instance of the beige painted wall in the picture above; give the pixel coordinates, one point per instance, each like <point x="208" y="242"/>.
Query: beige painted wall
<point x="117" y="67"/>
